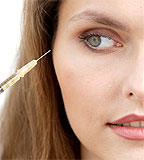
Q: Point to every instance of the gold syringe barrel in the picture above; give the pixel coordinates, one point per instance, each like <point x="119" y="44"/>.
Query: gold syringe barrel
<point x="17" y="75"/>
<point x="20" y="73"/>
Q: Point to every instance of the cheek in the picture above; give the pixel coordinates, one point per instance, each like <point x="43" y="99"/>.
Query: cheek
<point x="85" y="92"/>
<point x="85" y="97"/>
<point x="89" y="88"/>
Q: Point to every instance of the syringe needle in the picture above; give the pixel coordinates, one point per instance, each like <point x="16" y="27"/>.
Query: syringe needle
<point x="19" y="73"/>
<point x="43" y="55"/>
<point x="25" y="69"/>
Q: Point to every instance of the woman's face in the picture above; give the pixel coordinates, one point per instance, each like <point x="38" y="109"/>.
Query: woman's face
<point x="99" y="61"/>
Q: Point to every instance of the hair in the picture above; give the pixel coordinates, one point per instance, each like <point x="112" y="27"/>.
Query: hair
<point x="34" y="124"/>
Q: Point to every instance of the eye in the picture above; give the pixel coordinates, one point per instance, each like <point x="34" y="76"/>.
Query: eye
<point x="99" y="43"/>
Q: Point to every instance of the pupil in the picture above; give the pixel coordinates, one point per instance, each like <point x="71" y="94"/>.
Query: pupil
<point x="94" y="41"/>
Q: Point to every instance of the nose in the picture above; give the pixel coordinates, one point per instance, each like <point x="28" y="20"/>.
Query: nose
<point x="134" y="85"/>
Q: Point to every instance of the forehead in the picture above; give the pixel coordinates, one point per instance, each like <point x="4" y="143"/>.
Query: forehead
<point x="128" y="12"/>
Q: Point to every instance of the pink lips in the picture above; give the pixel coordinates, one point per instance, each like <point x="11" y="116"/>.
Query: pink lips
<point x="129" y="118"/>
<point x="128" y="132"/>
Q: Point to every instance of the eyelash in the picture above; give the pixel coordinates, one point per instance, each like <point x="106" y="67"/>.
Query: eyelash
<point x="84" y="38"/>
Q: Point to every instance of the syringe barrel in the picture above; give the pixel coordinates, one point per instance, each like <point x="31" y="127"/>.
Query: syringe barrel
<point x="17" y="75"/>
<point x="25" y="69"/>
<point x="9" y="82"/>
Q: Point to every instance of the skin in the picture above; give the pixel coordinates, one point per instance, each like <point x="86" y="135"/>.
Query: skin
<point x="95" y="86"/>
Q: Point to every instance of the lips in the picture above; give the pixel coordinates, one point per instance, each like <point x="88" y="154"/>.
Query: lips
<point x="128" y="132"/>
<point x="129" y="118"/>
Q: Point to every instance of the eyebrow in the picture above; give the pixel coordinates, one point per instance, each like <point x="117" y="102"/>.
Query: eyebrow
<point x="101" y="18"/>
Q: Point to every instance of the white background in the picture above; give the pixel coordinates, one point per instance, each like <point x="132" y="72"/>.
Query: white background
<point x="10" y="23"/>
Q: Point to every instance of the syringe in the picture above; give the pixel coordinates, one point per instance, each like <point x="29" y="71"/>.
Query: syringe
<point x="19" y="73"/>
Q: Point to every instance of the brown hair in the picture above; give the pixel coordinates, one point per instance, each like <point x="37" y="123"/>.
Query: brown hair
<point x="34" y="124"/>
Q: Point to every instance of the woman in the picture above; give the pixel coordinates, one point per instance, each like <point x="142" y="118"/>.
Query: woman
<point x="71" y="105"/>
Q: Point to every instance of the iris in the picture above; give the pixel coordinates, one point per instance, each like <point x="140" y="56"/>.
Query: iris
<point x="94" y="41"/>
